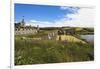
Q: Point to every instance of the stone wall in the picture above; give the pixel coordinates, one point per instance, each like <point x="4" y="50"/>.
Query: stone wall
<point x="21" y="32"/>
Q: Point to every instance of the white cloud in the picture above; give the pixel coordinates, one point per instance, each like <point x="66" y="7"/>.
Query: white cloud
<point x="64" y="7"/>
<point x="70" y="9"/>
<point x="40" y="23"/>
<point x="84" y="18"/>
<point x="33" y="21"/>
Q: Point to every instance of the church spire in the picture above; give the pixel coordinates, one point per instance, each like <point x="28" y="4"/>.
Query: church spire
<point x="23" y="20"/>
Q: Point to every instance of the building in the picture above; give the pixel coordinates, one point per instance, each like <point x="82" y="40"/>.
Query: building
<point x="22" y="28"/>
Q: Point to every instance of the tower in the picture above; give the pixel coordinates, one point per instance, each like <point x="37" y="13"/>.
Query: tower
<point x="22" y="22"/>
<point x="38" y="28"/>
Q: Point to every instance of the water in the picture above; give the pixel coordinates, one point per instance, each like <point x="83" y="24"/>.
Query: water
<point x="88" y="37"/>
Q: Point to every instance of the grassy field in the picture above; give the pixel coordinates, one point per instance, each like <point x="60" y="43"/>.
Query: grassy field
<point x="71" y="49"/>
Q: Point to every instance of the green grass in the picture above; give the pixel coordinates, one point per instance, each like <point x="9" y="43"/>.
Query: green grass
<point x="51" y="51"/>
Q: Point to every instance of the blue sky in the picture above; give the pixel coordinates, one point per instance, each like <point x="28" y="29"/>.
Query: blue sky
<point x="45" y="14"/>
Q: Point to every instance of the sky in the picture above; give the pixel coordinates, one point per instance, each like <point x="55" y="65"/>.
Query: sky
<point x="54" y="16"/>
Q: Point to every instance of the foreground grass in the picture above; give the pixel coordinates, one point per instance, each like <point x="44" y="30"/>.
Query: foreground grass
<point x="51" y="51"/>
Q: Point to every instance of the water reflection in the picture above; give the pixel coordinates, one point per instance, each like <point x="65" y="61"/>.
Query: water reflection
<point x="87" y="37"/>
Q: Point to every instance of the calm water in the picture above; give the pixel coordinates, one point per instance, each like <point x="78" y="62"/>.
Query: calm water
<point x="88" y="37"/>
